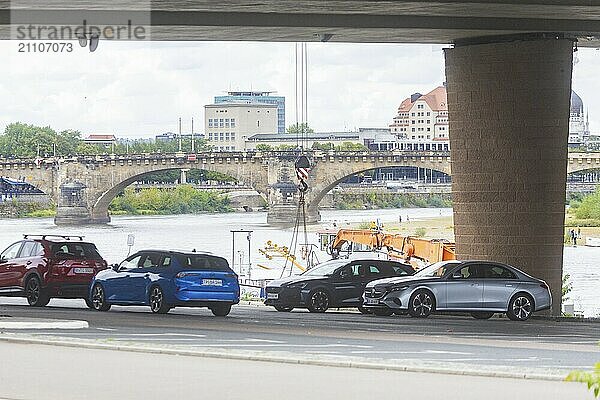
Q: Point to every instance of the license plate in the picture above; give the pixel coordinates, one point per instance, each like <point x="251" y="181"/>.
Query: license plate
<point x="212" y="282"/>
<point x="272" y="296"/>
<point x="372" y="301"/>
<point x="83" y="270"/>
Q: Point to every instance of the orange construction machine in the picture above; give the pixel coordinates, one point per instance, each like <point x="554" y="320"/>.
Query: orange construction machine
<point x="408" y="248"/>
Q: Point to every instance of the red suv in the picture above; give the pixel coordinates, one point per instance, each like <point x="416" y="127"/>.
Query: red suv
<point x="41" y="267"/>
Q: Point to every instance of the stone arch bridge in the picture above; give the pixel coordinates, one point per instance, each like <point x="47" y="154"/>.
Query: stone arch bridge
<point x="84" y="186"/>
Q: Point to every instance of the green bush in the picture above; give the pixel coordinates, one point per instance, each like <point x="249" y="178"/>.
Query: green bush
<point x="420" y="232"/>
<point x="184" y="199"/>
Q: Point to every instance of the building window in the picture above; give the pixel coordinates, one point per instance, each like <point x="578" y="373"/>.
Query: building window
<point x="233" y="122"/>
<point x="221" y="136"/>
<point x="210" y="124"/>
<point x="258" y="124"/>
<point x="232" y="135"/>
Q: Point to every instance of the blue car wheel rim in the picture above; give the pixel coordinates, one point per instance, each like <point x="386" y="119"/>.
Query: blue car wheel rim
<point x="156" y="299"/>
<point x="521" y="307"/>
<point x="98" y="297"/>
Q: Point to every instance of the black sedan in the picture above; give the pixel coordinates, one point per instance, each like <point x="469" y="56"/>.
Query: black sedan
<point x="335" y="283"/>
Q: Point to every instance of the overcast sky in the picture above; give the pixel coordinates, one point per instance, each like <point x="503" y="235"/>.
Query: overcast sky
<point x="140" y="89"/>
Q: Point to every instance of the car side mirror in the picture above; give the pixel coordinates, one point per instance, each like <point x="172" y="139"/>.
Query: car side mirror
<point x="456" y="275"/>
<point x="115" y="267"/>
<point x="3" y="260"/>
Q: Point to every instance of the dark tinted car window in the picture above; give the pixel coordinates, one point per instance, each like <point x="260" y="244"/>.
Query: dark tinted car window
<point x="398" y="270"/>
<point x="75" y="251"/>
<point x="11" y="252"/>
<point x="203" y="262"/>
<point x="498" y="272"/>
<point x="27" y="249"/>
<point x="150" y="260"/>
<point x="472" y="271"/>
<point x="38" y="250"/>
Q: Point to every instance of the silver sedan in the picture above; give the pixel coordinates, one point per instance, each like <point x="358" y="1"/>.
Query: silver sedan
<point x="479" y="287"/>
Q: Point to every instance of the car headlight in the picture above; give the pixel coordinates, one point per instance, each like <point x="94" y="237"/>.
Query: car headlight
<point x="300" y="285"/>
<point x="399" y="288"/>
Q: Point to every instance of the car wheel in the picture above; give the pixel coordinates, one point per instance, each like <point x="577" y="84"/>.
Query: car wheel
<point x="34" y="293"/>
<point x="284" y="308"/>
<point x="221" y="310"/>
<point x="520" y="307"/>
<point x="318" y="301"/>
<point x="99" y="302"/>
<point x="482" y="314"/>
<point x="89" y="303"/>
<point x="157" y="301"/>
<point x="364" y="310"/>
<point x="383" y="312"/>
<point x="421" y="304"/>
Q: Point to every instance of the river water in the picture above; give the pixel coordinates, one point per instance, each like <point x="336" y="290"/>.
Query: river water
<point x="212" y="232"/>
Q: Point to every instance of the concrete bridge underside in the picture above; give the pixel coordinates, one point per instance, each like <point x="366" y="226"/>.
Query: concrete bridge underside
<point x="509" y="82"/>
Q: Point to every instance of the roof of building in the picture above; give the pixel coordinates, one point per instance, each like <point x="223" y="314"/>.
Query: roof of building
<point x="101" y="137"/>
<point x="308" y="136"/>
<point x="437" y="100"/>
<point x="576" y="103"/>
<point x="241" y="104"/>
<point x="250" y="93"/>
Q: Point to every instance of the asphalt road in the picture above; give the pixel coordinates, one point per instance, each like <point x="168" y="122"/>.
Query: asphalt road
<point x="455" y="340"/>
<point x="50" y="372"/>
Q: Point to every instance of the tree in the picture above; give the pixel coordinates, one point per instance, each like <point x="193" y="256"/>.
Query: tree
<point x="264" y="147"/>
<point x="322" y="146"/>
<point x="300" y="128"/>
<point x="591" y="379"/>
<point x="349" y="146"/>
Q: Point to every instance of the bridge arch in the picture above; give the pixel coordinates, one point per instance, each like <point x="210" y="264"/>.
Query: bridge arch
<point x="99" y="208"/>
<point x="339" y="172"/>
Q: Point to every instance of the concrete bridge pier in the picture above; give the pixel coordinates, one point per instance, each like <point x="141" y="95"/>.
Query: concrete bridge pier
<point x="509" y="116"/>
<point x="286" y="214"/>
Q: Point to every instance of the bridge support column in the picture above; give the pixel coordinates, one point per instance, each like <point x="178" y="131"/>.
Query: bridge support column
<point x="509" y="117"/>
<point x="285" y="215"/>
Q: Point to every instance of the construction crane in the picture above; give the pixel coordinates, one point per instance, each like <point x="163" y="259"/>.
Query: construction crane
<point x="408" y="248"/>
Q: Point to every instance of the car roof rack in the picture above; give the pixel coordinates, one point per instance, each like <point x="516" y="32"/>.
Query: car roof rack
<point x="43" y="237"/>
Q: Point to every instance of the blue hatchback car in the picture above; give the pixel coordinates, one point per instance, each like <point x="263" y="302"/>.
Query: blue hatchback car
<point x="167" y="279"/>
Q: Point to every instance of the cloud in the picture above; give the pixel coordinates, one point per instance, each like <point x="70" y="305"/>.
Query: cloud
<point x="140" y="89"/>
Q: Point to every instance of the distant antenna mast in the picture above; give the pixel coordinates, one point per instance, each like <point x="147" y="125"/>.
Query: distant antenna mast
<point x="180" y="134"/>
<point x="193" y="150"/>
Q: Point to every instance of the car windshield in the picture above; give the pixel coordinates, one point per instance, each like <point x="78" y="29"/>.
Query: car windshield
<point x="75" y="250"/>
<point x="203" y="262"/>
<point x="436" y="270"/>
<point x="325" y="269"/>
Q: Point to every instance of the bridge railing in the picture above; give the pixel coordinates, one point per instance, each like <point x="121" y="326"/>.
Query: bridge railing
<point x="192" y="157"/>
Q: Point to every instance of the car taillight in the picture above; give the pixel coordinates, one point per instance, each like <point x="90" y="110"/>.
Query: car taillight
<point x="183" y="274"/>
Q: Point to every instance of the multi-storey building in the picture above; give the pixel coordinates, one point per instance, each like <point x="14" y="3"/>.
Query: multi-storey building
<point x="423" y="118"/>
<point x="228" y="125"/>
<point x="579" y="129"/>
<point x="258" y="97"/>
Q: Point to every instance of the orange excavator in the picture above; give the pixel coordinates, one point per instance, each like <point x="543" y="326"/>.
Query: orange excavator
<point x="408" y="248"/>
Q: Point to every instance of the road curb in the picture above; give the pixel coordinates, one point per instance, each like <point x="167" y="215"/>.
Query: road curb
<point x="42" y="324"/>
<point x="265" y="356"/>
